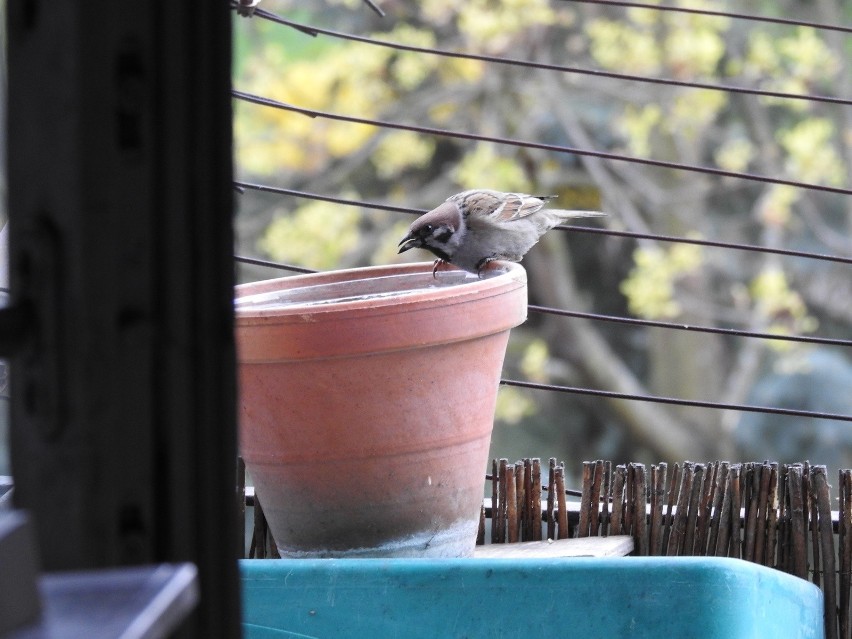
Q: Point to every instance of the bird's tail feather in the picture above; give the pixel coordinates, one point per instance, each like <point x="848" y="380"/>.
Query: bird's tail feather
<point x="568" y="214"/>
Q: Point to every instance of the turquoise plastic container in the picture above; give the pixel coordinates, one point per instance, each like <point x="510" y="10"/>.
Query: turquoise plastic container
<point x="632" y="597"/>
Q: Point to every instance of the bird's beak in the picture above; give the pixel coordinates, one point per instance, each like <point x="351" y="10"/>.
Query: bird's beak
<point x="409" y="242"/>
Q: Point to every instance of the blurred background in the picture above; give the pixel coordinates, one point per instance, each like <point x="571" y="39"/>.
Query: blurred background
<point x="592" y="107"/>
<point x="790" y="140"/>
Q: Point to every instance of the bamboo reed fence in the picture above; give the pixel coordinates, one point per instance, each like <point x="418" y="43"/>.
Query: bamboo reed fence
<point x="776" y="515"/>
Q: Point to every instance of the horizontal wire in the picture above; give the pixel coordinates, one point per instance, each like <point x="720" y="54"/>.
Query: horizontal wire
<point x="278" y="265"/>
<point x="579" y="229"/>
<point x="808" y="339"/>
<point x="721" y="14"/>
<point x="327" y="198"/>
<point x="557" y="148"/>
<point x="714" y="243"/>
<point x="676" y="401"/>
<point x="314" y="31"/>
<point x="612" y="394"/>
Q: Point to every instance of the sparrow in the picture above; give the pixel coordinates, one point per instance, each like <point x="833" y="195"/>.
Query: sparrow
<point x="472" y="228"/>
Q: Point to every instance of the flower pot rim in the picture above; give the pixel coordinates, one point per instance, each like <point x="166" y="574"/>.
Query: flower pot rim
<point x="509" y="276"/>
<point x="438" y="315"/>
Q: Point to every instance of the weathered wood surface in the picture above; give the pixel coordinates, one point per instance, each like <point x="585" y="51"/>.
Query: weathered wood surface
<point x="617" y="546"/>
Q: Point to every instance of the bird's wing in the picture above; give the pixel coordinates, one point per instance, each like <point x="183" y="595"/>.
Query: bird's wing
<point x="518" y="205"/>
<point x="482" y="206"/>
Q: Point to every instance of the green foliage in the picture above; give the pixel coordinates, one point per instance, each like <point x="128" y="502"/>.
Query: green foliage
<point x="513" y="406"/>
<point x="637" y="123"/>
<point x="811" y="156"/>
<point x="249" y="32"/>
<point x="617" y="45"/>
<point x="776" y="207"/>
<point x="350" y="78"/>
<point x="691" y="45"/>
<point x="693" y="112"/>
<point x="781" y="308"/>
<point x="492" y="26"/>
<point x="791" y="63"/>
<point x="735" y="154"/>
<point x="485" y="166"/>
<point x="317" y="235"/>
<point x="694" y="45"/>
<point x="386" y="253"/>
<point x="650" y="286"/>
<point x="534" y="361"/>
<point x="402" y="150"/>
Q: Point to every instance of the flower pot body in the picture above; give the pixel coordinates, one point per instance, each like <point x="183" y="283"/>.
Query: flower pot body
<point x="367" y="403"/>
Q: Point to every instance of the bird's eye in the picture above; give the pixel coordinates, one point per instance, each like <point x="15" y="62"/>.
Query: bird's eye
<point x="428" y="228"/>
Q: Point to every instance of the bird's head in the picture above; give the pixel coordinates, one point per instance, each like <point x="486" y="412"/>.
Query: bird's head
<point x="438" y="231"/>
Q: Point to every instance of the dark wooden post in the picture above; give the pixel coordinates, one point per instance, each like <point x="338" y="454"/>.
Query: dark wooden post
<point x="123" y="412"/>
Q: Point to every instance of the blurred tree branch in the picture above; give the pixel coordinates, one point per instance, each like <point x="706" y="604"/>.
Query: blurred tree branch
<point x="581" y="343"/>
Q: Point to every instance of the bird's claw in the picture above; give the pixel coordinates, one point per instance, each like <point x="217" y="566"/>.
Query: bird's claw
<point x="483" y="265"/>
<point x="435" y="266"/>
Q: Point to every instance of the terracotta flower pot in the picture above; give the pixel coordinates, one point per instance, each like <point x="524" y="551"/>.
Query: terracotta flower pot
<point x="367" y="403"/>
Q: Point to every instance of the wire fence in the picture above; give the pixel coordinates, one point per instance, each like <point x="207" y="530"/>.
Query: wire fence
<point x="530" y="64"/>
<point x="541" y="146"/>
<point x="839" y="101"/>
<point x="719" y="14"/>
